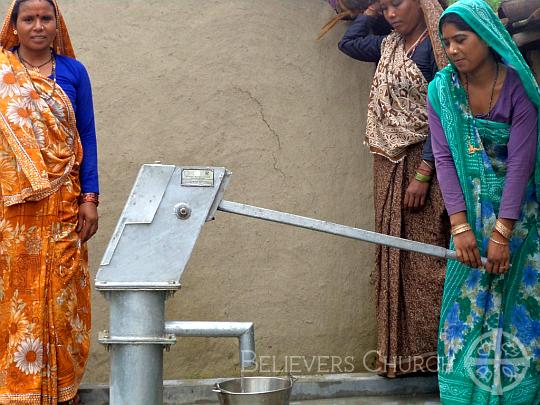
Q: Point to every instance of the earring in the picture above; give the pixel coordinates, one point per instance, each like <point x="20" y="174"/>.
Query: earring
<point x="15" y="32"/>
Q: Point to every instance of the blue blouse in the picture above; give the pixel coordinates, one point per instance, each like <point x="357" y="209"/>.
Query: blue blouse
<point x="363" y="41"/>
<point x="72" y="77"/>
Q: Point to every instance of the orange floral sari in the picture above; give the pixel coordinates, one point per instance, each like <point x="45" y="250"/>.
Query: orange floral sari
<point x="44" y="281"/>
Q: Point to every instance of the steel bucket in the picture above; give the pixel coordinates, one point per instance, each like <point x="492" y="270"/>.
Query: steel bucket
<point x="255" y="391"/>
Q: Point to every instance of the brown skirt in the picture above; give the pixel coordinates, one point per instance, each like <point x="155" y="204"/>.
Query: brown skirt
<point x="409" y="286"/>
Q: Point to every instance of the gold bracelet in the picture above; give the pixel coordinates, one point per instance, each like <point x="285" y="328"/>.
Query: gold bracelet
<point x="456" y="230"/>
<point x="503" y="230"/>
<point x="498" y="243"/>
<point x="428" y="164"/>
<point x="459" y="226"/>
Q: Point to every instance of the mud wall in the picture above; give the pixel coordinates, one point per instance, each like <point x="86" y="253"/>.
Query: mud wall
<point x="240" y="84"/>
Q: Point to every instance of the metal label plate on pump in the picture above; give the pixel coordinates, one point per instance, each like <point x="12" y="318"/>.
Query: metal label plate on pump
<point x="150" y="214"/>
<point x="197" y="178"/>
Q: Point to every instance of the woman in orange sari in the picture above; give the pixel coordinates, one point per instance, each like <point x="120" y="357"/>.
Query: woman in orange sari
<point x="48" y="207"/>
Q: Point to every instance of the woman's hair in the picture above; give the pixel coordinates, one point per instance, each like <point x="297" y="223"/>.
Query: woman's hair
<point x="17" y="6"/>
<point x="453" y="18"/>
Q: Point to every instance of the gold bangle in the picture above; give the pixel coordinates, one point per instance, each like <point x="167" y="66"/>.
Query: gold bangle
<point x="459" y="226"/>
<point x="497" y="242"/>
<point x="457" y="229"/>
<point x="503" y="230"/>
<point x="428" y="164"/>
<point x="460" y="231"/>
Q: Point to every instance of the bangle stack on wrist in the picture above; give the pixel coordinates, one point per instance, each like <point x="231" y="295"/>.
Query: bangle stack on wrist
<point x="503" y="230"/>
<point x="457" y="229"/>
<point x="89" y="197"/>
<point x="422" y="174"/>
<point x="422" y="177"/>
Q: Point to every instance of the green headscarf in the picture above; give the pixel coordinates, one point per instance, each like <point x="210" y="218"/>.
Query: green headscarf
<point x="493" y="3"/>
<point x="479" y="16"/>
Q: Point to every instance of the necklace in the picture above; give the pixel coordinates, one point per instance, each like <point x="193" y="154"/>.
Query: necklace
<point x="471" y="147"/>
<point x="46" y="97"/>
<point x="34" y="67"/>
<point x="413" y="47"/>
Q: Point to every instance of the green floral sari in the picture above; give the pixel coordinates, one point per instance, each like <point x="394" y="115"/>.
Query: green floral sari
<point x="489" y="334"/>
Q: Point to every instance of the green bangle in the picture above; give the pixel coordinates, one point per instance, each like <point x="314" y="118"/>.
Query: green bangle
<point x="422" y="177"/>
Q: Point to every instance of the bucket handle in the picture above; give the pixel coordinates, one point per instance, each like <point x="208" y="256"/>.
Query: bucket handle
<point x="216" y="389"/>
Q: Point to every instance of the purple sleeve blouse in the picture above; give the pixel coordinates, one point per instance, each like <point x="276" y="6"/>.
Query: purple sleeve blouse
<point x="515" y="108"/>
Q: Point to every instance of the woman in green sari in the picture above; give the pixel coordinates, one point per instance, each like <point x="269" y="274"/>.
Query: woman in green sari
<point x="483" y="113"/>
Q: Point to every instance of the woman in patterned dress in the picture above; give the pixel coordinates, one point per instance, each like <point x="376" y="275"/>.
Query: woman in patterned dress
<point x="483" y="113"/>
<point x="48" y="207"/>
<point x="408" y="202"/>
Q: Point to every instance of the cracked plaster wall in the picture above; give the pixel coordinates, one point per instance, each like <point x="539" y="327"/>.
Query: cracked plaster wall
<point x="240" y="84"/>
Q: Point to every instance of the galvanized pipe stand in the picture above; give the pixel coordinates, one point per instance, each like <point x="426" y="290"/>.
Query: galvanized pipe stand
<point x="147" y="255"/>
<point x="136" y="342"/>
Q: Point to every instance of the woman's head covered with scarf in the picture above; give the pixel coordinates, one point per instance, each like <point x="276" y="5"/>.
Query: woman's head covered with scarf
<point x="408" y="14"/>
<point x="35" y="172"/>
<point x="494" y="4"/>
<point x="9" y="39"/>
<point x="479" y="18"/>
